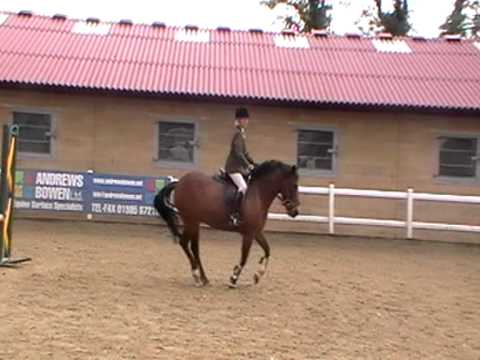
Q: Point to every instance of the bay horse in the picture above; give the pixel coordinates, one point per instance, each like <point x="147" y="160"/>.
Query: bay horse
<point x="199" y="198"/>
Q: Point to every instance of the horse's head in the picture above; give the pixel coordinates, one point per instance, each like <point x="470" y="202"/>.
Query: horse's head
<point x="283" y="180"/>
<point x="289" y="192"/>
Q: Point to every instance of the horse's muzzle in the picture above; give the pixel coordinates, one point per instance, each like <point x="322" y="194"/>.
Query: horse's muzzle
<point x="292" y="212"/>
<point x="291" y="207"/>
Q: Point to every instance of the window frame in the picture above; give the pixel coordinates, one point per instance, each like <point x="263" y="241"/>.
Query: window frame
<point x="319" y="172"/>
<point x="52" y="137"/>
<point x="444" y="179"/>
<point x="177" y="164"/>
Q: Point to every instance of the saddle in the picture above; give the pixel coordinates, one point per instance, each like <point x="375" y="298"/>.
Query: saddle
<point x="222" y="177"/>
<point x="230" y="188"/>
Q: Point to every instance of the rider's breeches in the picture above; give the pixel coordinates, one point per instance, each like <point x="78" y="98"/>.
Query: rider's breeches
<point x="238" y="179"/>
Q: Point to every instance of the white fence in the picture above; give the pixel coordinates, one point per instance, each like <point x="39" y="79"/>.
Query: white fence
<point x="410" y="198"/>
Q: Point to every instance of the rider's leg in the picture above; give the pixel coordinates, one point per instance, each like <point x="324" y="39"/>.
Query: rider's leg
<point x="239" y="181"/>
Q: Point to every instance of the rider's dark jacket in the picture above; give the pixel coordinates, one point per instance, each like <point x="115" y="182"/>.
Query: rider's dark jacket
<point x="238" y="159"/>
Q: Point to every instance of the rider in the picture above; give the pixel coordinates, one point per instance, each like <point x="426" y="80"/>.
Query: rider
<point x="239" y="163"/>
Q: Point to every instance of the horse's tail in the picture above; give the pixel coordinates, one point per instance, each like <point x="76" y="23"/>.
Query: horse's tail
<point x="167" y="210"/>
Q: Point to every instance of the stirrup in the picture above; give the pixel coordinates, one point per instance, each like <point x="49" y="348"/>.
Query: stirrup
<point x="235" y="219"/>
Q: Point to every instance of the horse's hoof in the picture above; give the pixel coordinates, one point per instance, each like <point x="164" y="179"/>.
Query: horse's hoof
<point x="233" y="282"/>
<point x="196" y="277"/>
<point x="205" y="282"/>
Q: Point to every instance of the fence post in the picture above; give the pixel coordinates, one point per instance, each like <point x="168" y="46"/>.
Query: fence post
<point x="331" y="209"/>
<point x="7" y="201"/>
<point x="409" y="222"/>
<point x="5" y="241"/>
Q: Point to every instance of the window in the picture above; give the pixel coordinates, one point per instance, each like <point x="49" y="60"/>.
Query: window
<point x="459" y="157"/>
<point x="316" y="150"/>
<point x="35" y="132"/>
<point x="176" y="142"/>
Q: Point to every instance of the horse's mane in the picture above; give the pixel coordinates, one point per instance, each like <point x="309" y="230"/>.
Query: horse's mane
<point x="268" y="167"/>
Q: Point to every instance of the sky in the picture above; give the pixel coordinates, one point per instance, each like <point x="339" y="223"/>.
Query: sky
<point x="236" y="14"/>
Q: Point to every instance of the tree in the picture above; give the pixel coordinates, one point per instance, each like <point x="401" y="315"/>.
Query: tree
<point x="475" y="22"/>
<point x="464" y="19"/>
<point x="476" y="26"/>
<point x="456" y="23"/>
<point x="396" y="22"/>
<point x="309" y="14"/>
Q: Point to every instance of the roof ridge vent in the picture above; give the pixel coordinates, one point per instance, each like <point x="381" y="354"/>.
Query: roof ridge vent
<point x="289" y="32"/>
<point x="224" y="29"/>
<point x="126" y="22"/>
<point x="352" y="35"/>
<point x="419" y="38"/>
<point x="93" y="20"/>
<point x="26" y="13"/>
<point x="385" y="36"/>
<point x="191" y="27"/>
<point x="59" y="17"/>
<point x="91" y="28"/>
<point x="255" y="31"/>
<point x="189" y="35"/>
<point x="453" y="37"/>
<point x="159" y="24"/>
<point x="320" y="32"/>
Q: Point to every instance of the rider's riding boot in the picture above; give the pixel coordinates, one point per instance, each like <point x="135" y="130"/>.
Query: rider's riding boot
<point x="237" y="202"/>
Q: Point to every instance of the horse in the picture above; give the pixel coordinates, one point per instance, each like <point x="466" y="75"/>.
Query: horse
<point x="199" y="198"/>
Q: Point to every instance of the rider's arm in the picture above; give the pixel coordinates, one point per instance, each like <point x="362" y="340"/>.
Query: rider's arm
<point x="249" y="158"/>
<point x="238" y="145"/>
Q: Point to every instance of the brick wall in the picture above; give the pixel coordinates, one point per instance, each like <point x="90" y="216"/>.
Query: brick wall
<point x="375" y="150"/>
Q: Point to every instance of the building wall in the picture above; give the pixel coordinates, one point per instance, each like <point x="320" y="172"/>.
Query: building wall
<point x="389" y="151"/>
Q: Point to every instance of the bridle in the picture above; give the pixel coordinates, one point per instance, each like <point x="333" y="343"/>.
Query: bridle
<point x="287" y="203"/>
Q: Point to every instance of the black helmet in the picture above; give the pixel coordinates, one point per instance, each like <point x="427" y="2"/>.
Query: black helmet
<point x="241" y="113"/>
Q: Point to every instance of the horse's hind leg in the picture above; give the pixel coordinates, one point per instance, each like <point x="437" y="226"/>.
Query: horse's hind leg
<point x="194" y="245"/>
<point x="184" y="242"/>
<point x="262" y="241"/>
<point x="237" y="270"/>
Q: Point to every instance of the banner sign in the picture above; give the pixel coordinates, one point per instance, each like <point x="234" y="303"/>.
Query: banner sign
<point x="50" y="190"/>
<point x="88" y="193"/>
<point x="124" y="195"/>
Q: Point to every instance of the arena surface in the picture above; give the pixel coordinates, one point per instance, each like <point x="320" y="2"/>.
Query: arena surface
<point x="114" y="291"/>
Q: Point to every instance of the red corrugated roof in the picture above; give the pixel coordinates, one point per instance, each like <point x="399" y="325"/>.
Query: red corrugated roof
<point x="437" y="74"/>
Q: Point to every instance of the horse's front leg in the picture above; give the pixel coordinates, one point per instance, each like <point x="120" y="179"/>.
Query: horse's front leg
<point x="237" y="270"/>
<point x="262" y="269"/>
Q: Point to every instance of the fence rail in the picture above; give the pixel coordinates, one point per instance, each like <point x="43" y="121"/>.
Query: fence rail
<point x="409" y="196"/>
